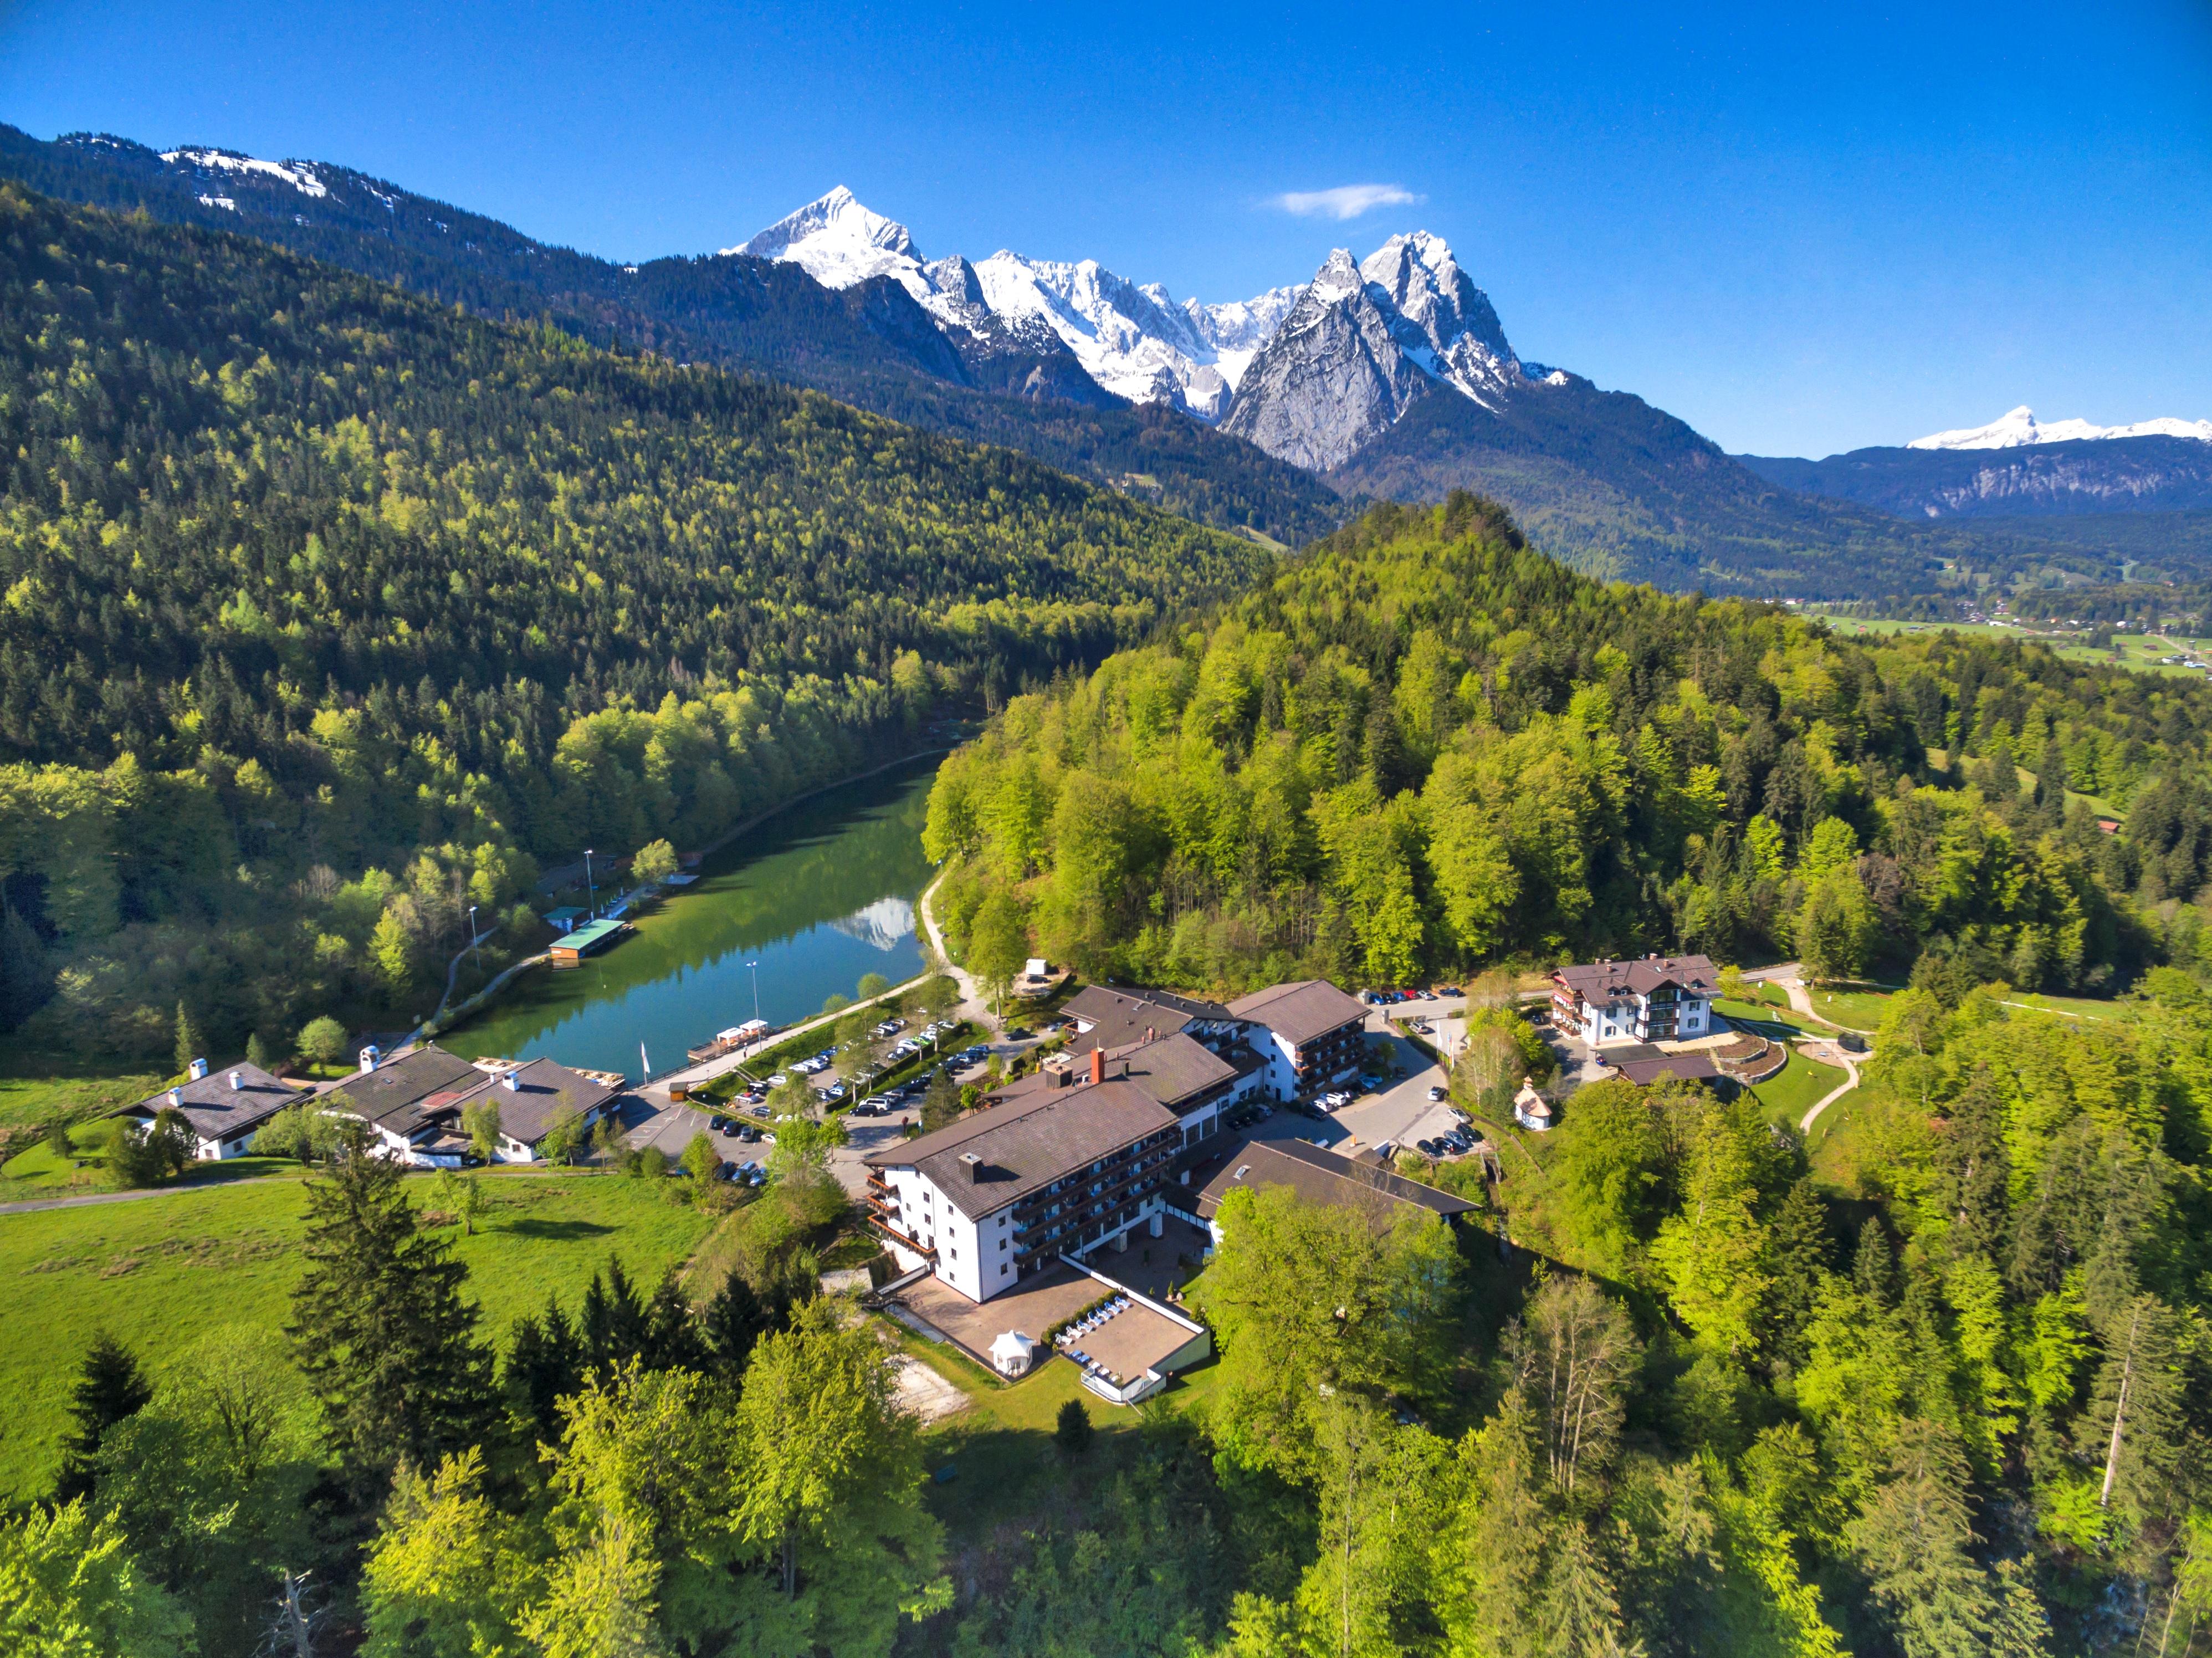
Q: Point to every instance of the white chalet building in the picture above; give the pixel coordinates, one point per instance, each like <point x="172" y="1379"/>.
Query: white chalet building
<point x="1657" y="998"/>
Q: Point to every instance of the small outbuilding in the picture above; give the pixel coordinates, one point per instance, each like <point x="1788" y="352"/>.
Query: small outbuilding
<point x="1012" y="1353"/>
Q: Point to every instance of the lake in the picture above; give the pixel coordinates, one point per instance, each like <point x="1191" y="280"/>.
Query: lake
<point x="819" y="895"/>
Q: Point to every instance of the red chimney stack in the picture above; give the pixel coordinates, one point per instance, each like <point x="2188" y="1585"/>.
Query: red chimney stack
<point x="1098" y="1064"/>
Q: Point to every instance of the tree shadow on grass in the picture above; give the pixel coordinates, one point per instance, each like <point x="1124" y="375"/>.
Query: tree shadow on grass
<point x="557" y="1229"/>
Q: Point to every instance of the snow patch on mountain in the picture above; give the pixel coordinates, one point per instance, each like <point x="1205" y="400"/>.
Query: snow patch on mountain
<point x="301" y="175"/>
<point x="1137" y="341"/>
<point x="2020" y="428"/>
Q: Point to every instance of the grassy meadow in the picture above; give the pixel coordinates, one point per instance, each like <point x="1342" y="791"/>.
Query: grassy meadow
<point x="162" y="1273"/>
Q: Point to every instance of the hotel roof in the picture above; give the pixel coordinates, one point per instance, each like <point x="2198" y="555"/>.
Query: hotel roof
<point x="992" y="1158"/>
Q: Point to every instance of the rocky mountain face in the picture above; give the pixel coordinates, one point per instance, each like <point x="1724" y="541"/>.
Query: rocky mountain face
<point x="1134" y="342"/>
<point x="1365" y="342"/>
<point x="2100" y="475"/>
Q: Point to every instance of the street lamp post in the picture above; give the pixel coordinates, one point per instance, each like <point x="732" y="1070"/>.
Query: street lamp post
<point x="755" y="966"/>
<point x="591" y="886"/>
<point x="472" y="930"/>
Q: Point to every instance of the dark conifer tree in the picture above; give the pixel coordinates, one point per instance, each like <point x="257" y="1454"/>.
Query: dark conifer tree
<point x="611" y="1326"/>
<point x="1874" y="1265"/>
<point x="1798" y="1248"/>
<point x="110" y="1388"/>
<point x="188" y="1045"/>
<point x="544" y="1366"/>
<point x="733" y="1321"/>
<point x="1971" y="1155"/>
<point x="382" y="1331"/>
<point x="673" y="1340"/>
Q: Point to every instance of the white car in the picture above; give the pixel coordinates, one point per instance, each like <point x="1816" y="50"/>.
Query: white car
<point x="778" y="1079"/>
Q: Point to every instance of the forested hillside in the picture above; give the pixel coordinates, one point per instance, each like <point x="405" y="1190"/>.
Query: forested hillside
<point x="327" y="608"/>
<point x="1424" y="746"/>
<point x="1623" y="490"/>
<point x="870" y="344"/>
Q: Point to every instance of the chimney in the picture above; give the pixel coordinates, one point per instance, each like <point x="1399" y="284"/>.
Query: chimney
<point x="237" y="1080"/>
<point x="177" y="1096"/>
<point x="369" y="1056"/>
<point x="974" y="1167"/>
<point x="506" y="1080"/>
<point x="1098" y="1064"/>
<point x="1152" y="1034"/>
<point x="198" y="1069"/>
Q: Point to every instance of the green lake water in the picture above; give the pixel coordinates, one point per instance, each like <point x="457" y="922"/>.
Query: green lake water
<point x="819" y="895"/>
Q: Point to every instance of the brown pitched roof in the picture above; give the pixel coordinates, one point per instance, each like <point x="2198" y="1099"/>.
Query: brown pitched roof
<point x="1028" y="1142"/>
<point x="1647" y="1067"/>
<point x="1601" y="982"/>
<point x="1301" y="1011"/>
<point x="1322" y="1177"/>
<point x="1174" y="1068"/>
<point x="1121" y="1015"/>
<point x="394" y="1096"/>
<point x="217" y="1110"/>
<point x="546" y="1095"/>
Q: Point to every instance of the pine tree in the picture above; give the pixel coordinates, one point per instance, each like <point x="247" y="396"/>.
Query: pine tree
<point x="544" y="1365"/>
<point x="110" y="1388"/>
<point x="1978" y="1171"/>
<point x="382" y="1331"/>
<point x="733" y="1321"/>
<point x="257" y="1052"/>
<point x="1874" y="1266"/>
<point x="611" y="1326"/>
<point x="671" y="1332"/>
<point x="188" y="1045"/>
<point x="1798" y="1246"/>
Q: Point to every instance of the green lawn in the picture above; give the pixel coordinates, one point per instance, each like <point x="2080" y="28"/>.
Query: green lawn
<point x="43" y="1173"/>
<point x="39" y="1093"/>
<point x="1005" y="1466"/>
<point x="1775" y="1024"/>
<point x="2081" y="1008"/>
<point x="1802" y="1083"/>
<point x="1854" y="1010"/>
<point x="162" y="1273"/>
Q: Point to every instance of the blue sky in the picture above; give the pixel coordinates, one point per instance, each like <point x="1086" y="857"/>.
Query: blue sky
<point x="1800" y="229"/>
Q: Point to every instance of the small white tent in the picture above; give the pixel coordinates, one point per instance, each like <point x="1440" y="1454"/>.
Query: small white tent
<point x="1012" y="1353"/>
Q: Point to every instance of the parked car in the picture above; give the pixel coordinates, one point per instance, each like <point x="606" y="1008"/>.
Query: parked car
<point x="760" y="1110"/>
<point x="1439" y="1092"/>
<point x="1427" y="1148"/>
<point x="719" y="1124"/>
<point x="1451" y="990"/>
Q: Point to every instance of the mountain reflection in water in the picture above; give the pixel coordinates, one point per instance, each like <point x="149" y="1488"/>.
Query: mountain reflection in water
<point x="819" y="897"/>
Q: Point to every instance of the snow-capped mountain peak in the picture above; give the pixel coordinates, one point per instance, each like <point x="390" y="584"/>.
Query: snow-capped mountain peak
<point x="839" y="242"/>
<point x="1137" y="341"/>
<point x="2020" y="428"/>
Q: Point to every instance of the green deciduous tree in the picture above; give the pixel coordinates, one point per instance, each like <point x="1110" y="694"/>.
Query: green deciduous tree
<point x="322" y="1041"/>
<point x="69" y="1588"/>
<point x="830" y="1477"/>
<point x="446" y="1577"/>
<point x="653" y="861"/>
<point x="1313" y="1298"/>
<point x="481" y="1123"/>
